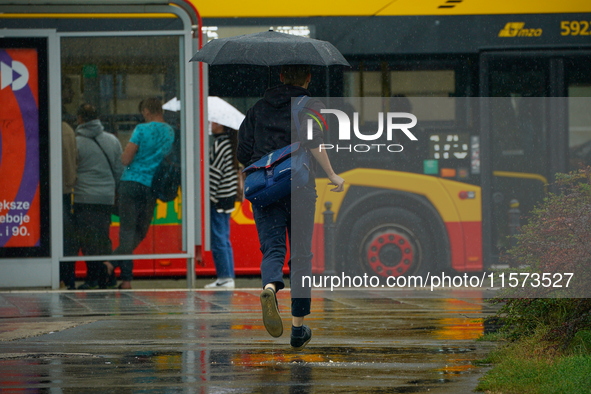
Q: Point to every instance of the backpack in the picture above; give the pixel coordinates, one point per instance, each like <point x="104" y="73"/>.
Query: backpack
<point x="167" y="178"/>
<point x="278" y="173"/>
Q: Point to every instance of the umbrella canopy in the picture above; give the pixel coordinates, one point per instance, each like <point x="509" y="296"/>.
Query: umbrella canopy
<point x="173" y="105"/>
<point x="269" y="48"/>
<point x="219" y="111"/>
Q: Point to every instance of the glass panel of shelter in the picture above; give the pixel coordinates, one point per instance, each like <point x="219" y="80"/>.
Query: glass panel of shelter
<point x="115" y="74"/>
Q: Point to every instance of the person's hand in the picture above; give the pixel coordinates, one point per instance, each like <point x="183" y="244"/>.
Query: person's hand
<point x="337" y="181"/>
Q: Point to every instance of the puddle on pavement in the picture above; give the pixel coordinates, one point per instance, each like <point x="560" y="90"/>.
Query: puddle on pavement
<point x="212" y="343"/>
<point x="402" y="369"/>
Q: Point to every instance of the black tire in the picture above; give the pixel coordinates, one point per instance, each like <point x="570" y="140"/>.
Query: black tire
<point x="390" y="241"/>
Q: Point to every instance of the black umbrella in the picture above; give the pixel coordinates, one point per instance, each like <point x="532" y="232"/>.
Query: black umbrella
<point x="269" y="48"/>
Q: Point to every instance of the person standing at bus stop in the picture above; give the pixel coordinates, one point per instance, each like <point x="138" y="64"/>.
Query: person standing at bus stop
<point x="267" y="127"/>
<point x="99" y="171"/>
<point x="223" y="185"/>
<point x="150" y="142"/>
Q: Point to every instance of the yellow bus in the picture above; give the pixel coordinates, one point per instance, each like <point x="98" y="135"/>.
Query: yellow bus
<point x="417" y="212"/>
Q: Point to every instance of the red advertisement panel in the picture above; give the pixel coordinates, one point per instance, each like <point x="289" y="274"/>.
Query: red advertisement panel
<point x="19" y="148"/>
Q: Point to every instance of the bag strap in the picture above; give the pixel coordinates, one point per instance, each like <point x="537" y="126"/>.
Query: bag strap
<point x="296" y="108"/>
<point x="104" y="153"/>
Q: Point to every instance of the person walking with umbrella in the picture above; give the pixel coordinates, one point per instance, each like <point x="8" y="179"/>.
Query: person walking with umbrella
<point x="223" y="187"/>
<point x="268" y="127"/>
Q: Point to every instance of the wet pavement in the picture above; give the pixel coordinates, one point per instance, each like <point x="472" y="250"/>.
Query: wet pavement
<point x="169" y="341"/>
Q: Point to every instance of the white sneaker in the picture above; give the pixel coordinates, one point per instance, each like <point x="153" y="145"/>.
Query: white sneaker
<point x="227" y="283"/>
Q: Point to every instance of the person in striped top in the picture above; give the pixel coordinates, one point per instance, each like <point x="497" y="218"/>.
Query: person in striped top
<point x="223" y="185"/>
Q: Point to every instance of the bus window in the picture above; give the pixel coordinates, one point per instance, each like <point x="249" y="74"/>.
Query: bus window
<point x="426" y="83"/>
<point x="413" y="84"/>
<point x="423" y="83"/>
<point x="430" y="95"/>
<point x="371" y="85"/>
<point x="363" y="83"/>
<point x="579" y="116"/>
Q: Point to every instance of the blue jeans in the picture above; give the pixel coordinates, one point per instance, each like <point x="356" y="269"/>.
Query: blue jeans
<point x="292" y="215"/>
<point x="136" y="210"/>
<point x="221" y="248"/>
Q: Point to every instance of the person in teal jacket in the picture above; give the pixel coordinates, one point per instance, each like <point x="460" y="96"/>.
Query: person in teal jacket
<point x="150" y="142"/>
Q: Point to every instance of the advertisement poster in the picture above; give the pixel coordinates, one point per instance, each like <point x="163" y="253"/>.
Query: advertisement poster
<point x="20" y="223"/>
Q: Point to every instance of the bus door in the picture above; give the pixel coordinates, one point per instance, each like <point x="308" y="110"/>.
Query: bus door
<point x="525" y="135"/>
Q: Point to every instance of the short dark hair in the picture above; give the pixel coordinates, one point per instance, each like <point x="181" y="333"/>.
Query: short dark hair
<point x="152" y="104"/>
<point x="87" y="112"/>
<point x="295" y="74"/>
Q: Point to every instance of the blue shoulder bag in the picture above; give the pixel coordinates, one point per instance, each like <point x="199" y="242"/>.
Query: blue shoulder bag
<point x="278" y="173"/>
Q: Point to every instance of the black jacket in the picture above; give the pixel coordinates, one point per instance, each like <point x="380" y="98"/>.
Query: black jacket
<point x="268" y="126"/>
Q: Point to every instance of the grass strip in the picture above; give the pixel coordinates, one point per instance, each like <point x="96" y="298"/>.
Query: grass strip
<point x="535" y="366"/>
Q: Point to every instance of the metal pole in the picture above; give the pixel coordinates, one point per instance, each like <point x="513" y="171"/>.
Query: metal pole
<point x="191" y="273"/>
<point x="514" y="225"/>
<point x="329" y="230"/>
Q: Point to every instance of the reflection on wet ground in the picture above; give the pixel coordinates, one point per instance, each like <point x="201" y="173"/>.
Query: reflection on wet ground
<point x="214" y="342"/>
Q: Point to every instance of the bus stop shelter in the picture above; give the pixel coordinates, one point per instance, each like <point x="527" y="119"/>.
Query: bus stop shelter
<point x="55" y="55"/>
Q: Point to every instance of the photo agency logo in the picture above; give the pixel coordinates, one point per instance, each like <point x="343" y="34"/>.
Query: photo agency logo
<point x="382" y="140"/>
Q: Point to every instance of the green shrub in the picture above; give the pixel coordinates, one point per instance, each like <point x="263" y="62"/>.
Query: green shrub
<point x="556" y="240"/>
